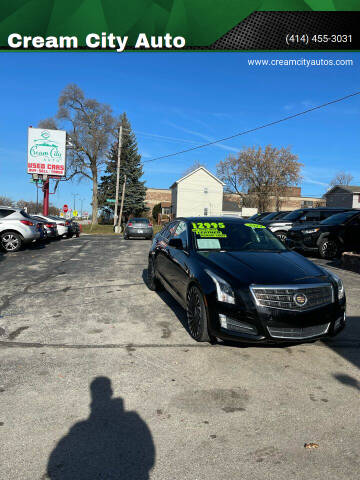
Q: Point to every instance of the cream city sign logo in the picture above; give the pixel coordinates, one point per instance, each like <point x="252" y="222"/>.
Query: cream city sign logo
<point x="45" y="148"/>
<point x="300" y="299"/>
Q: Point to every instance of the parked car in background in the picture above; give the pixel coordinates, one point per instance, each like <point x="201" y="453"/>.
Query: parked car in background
<point x="239" y="282"/>
<point x="331" y="237"/>
<point x="138" y="227"/>
<point x="258" y="216"/>
<point x="273" y="216"/>
<point x="301" y="216"/>
<point x="17" y="228"/>
<point x="62" y="229"/>
<point x="49" y="226"/>
<point x="73" y="228"/>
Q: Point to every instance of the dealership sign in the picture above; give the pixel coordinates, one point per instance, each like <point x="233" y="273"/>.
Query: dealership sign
<point x="46" y="151"/>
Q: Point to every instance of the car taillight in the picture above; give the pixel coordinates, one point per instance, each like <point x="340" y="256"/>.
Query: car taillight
<point x="27" y="222"/>
<point x="62" y="224"/>
<point x="67" y="223"/>
<point x="150" y="224"/>
<point x="129" y="224"/>
<point x="49" y="225"/>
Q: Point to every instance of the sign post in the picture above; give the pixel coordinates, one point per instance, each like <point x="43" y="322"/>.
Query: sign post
<point x="46" y="157"/>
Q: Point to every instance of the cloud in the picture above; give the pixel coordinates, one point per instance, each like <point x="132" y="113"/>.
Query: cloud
<point x="315" y="182"/>
<point x="205" y="137"/>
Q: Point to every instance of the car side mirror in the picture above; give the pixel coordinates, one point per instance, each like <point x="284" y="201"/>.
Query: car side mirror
<point x="176" y="243"/>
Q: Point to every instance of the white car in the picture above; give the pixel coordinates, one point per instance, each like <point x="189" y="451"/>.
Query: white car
<point x="62" y="228"/>
<point x="17" y="228"/>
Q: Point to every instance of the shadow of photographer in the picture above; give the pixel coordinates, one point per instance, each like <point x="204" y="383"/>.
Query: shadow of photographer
<point x="111" y="444"/>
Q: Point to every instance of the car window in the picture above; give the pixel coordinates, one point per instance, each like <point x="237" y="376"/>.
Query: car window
<point x="338" y="218"/>
<point x="355" y="222"/>
<point x="234" y="236"/>
<point x="310" y="216"/>
<point x="295" y="215"/>
<point x="326" y="214"/>
<point x="139" y="220"/>
<point x="181" y="232"/>
<point x="165" y="232"/>
<point x="4" y="212"/>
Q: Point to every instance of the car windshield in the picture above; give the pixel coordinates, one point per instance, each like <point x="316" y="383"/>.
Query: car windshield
<point x="338" y="218"/>
<point x="234" y="236"/>
<point x="271" y="216"/>
<point x="293" y="215"/>
<point x="139" y="220"/>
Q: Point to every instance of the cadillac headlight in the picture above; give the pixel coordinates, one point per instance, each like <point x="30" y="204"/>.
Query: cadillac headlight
<point x="339" y="283"/>
<point x="310" y="230"/>
<point x="224" y="291"/>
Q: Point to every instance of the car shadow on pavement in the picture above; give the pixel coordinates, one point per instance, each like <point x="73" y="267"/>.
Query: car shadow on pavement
<point x="347" y="343"/>
<point x="111" y="444"/>
<point x="170" y="302"/>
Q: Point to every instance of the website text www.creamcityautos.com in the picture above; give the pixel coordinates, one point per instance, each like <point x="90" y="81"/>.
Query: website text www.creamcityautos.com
<point x="302" y="62"/>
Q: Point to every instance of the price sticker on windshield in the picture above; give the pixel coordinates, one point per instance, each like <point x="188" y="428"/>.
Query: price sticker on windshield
<point x="206" y="229"/>
<point x="254" y="225"/>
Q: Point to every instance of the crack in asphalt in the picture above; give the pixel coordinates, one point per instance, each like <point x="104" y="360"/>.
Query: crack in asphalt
<point x="7" y="344"/>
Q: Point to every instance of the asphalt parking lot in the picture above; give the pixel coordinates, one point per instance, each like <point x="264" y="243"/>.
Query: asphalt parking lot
<point x="100" y="380"/>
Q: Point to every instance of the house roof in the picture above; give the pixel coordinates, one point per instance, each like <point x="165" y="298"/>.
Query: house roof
<point x="229" y="206"/>
<point x="194" y="171"/>
<point x="349" y="188"/>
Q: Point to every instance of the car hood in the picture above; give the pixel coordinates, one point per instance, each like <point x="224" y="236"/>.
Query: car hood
<point x="268" y="268"/>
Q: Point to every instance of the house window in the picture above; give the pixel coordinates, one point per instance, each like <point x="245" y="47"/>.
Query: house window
<point x="307" y="204"/>
<point x="205" y="190"/>
<point x="205" y="212"/>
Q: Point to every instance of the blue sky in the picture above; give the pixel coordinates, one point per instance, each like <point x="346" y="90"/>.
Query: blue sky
<point x="178" y="100"/>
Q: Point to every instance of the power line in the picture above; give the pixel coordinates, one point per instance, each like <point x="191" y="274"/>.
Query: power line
<point x="289" y="117"/>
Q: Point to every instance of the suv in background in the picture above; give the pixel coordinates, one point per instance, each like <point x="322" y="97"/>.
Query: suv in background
<point x="17" y="228"/>
<point x="304" y="217"/>
<point x="336" y="234"/>
<point x="271" y="217"/>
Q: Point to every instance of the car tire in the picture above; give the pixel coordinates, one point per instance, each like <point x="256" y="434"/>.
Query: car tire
<point x="126" y="237"/>
<point x="197" y="319"/>
<point x="153" y="282"/>
<point x="11" y="241"/>
<point x="329" y="249"/>
<point x="281" y="235"/>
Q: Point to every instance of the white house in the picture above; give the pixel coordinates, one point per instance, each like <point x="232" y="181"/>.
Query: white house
<point x="199" y="193"/>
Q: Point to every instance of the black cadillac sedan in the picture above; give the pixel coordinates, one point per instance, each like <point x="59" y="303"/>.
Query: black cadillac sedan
<point x="238" y="282"/>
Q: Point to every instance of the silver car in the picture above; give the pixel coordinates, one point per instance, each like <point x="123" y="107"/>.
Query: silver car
<point x="17" y="228"/>
<point x="138" y="227"/>
<point x="60" y="223"/>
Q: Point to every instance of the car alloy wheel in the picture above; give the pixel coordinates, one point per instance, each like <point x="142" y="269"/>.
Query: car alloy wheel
<point x="281" y="236"/>
<point x="196" y="315"/>
<point x="329" y="249"/>
<point x="10" y="242"/>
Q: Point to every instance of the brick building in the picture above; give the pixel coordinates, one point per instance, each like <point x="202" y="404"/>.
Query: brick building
<point x="291" y="201"/>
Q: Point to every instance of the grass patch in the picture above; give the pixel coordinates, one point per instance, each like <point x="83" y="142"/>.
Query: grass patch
<point x="108" y="229"/>
<point x="99" y="230"/>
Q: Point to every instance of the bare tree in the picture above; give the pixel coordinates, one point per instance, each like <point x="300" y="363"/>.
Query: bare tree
<point x="341" y="178"/>
<point x="90" y="127"/>
<point x="193" y="167"/>
<point x="6" y="201"/>
<point x="260" y="173"/>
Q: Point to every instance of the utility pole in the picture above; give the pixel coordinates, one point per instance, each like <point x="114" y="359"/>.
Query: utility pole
<point x="75" y="195"/>
<point x="122" y="203"/>
<point x="117" y="182"/>
<point x="45" y="189"/>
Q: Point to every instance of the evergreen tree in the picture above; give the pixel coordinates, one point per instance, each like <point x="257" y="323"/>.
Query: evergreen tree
<point x="130" y="166"/>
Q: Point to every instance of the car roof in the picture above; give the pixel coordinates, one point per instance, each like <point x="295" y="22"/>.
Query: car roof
<point x="213" y="219"/>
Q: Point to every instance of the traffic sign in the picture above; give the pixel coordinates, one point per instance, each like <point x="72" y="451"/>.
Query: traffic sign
<point x="75" y="213"/>
<point x="65" y="208"/>
<point x="110" y="200"/>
